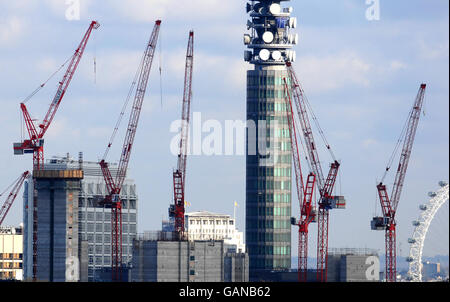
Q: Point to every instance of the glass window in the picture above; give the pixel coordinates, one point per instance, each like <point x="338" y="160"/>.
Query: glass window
<point x="99" y="216"/>
<point x="90" y="216"/>
<point x="98" y="249"/>
<point x="132" y="228"/>
<point x="132" y="217"/>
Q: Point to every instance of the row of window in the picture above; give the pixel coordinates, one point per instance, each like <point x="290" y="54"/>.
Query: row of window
<point x="91" y="203"/>
<point x="103" y="261"/>
<point x="100" y="216"/>
<point x="270" y="172"/>
<point x="277" y="120"/>
<point x="266" y="106"/>
<point x="100" y="189"/>
<point x="104" y="237"/>
<point x="105" y="227"/>
<point x="10" y="256"/>
<point x="269" y="224"/>
<point x="7" y="275"/>
<point x="265" y="184"/>
<point x="269" y="198"/>
<point x="252" y="160"/>
<point x="10" y="265"/>
<point x="211" y="221"/>
<point x="273" y="250"/>
<point x="265" y="80"/>
<point x="106" y="249"/>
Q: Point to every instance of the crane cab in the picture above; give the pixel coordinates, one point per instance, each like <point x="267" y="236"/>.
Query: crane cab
<point x="379" y="223"/>
<point x="338" y="202"/>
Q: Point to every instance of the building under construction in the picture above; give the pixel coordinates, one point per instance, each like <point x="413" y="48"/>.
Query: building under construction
<point x="70" y="229"/>
<point x="160" y="257"/>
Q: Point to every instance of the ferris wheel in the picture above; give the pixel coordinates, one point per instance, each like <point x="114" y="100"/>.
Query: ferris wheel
<point x="417" y="241"/>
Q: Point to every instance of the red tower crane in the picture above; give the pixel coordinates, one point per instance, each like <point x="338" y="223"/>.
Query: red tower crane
<point x="114" y="186"/>
<point x="179" y="175"/>
<point x="35" y="144"/>
<point x="389" y="206"/>
<point x="327" y="201"/>
<point x="304" y="193"/>
<point x="12" y="196"/>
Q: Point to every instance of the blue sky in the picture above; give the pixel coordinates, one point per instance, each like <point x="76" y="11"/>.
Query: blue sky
<point x="360" y="76"/>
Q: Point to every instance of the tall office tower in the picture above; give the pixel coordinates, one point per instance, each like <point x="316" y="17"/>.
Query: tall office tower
<point x="73" y="226"/>
<point x="268" y="160"/>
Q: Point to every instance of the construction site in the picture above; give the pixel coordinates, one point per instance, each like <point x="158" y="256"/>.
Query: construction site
<point x="87" y="220"/>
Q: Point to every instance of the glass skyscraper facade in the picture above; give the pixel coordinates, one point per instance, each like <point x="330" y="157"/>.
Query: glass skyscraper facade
<point x="268" y="190"/>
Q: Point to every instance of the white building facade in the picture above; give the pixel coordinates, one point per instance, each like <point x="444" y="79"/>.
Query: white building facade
<point x="11" y="253"/>
<point x="212" y="226"/>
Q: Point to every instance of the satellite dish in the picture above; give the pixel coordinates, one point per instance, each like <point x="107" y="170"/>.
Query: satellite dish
<point x="275" y="9"/>
<point x="247" y="39"/>
<point x="293" y="22"/>
<point x="249" y="24"/>
<point x="247" y="55"/>
<point x="290" y="38"/>
<point x="291" y="55"/>
<point x="257" y="8"/>
<point x="264" y="54"/>
<point x="276" y="55"/>
<point x="294" y="56"/>
<point x="267" y="37"/>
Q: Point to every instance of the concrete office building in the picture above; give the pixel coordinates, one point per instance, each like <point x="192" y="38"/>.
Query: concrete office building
<point x="73" y="227"/>
<point x="268" y="159"/>
<point x="11" y="253"/>
<point x="157" y="257"/>
<point x="353" y="265"/>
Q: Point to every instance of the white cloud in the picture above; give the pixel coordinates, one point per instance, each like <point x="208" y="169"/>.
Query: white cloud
<point x="59" y="7"/>
<point x="369" y="143"/>
<point x="61" y="130"/>
<point x="199" y="10"/>
<point x="435" y="51"/>
<point x="10" y="30"/>
<point x="229" y="72"/>
<point x="333" y="71"/>
<point x="397" y="65"/>
<point x="114" y="68"/>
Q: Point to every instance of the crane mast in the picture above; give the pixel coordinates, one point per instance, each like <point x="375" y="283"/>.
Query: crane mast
<point x="304" y="193"/>
<point x="35" y="143"/>
<point x="389" y="206"/>
<point x="327" y="201"/>
<point x="114" y="186"/>
<point x="179" y="175"/>
<point x="12" y="196"/>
